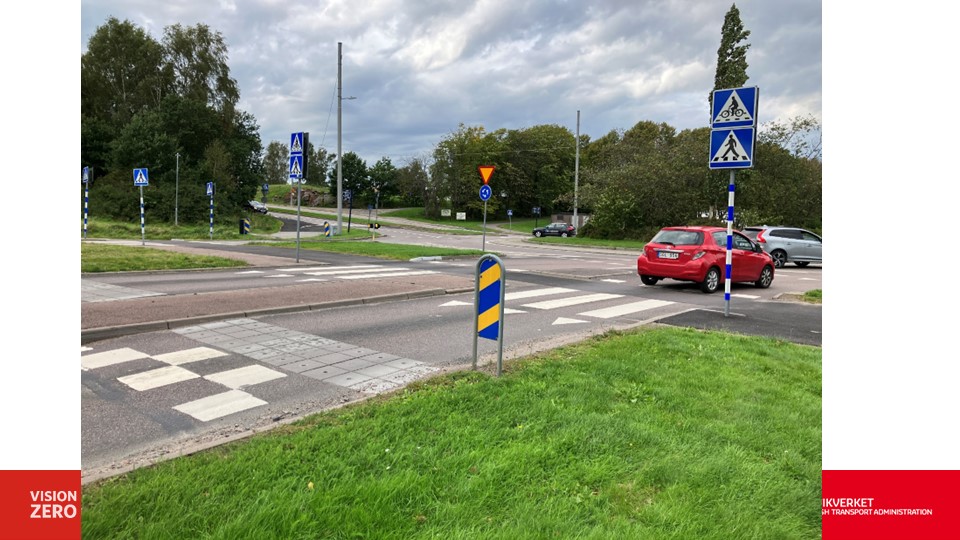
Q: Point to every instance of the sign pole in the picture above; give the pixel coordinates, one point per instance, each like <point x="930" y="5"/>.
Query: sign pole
<point x="298" y="219"/>
<point x="484" y="246"/>
<point x="143" y="227"/>
<point x="211" y="216"/>
<point x="86" y="199"/>
<point x="726" y="286"/>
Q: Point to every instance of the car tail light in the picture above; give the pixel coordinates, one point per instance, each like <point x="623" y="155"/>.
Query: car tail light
<point x="698" y="255"/>
<point x="760" y="238"/>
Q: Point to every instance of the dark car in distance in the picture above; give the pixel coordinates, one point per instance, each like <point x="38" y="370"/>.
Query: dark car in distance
<point x="555" y="229"/>
<point x="257" y="206"/>
<point x="698" y="254"/>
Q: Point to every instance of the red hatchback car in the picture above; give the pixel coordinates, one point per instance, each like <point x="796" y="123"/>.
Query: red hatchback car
<point x="699" y="254"/>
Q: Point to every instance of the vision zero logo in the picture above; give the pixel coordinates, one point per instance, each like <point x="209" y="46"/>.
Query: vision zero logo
<point x="53" y="504"/>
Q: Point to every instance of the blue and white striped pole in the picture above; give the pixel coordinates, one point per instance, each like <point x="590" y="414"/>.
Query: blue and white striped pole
<point x="726" y="286"/>
<point x="211" y="216"/>
<point x="86" y="199"/>
<point x="143" y="229"/>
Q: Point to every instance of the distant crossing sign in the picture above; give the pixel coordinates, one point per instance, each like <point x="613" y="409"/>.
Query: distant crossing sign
<point x="296" y="143"/>
<point x="141" y="177"/>
<point x="731" y="148"/>
<point x="734" y="107"/>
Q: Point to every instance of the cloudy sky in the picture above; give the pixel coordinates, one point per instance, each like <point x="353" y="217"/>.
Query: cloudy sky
<point x="419" y="68"/>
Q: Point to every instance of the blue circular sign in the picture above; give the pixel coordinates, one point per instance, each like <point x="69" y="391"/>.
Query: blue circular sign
<point x="485" y="192"/>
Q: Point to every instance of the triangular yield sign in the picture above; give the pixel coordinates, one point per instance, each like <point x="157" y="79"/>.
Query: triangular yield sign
<point x="486" y="171"/>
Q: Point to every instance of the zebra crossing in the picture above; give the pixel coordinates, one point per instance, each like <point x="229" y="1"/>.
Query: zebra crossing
<point x="551" y="298"/>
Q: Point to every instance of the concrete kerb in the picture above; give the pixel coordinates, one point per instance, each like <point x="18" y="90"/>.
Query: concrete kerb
<point x="97" y="334"/>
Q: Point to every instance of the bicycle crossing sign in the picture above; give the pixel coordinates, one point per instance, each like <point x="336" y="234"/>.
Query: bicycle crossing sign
<point x="141" y="177"/>
<point x="735" y="107"/>
<point x="731" y="148"/>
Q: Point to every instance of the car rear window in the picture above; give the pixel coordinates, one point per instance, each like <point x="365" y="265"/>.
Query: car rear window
<point x="786" y="233"/>
<point x="678" y="238"/>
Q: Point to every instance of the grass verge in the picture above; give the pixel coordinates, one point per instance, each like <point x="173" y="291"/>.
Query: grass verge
<point x="814" y="297"/>
<point x="259" y="225"/>
<point x="636" y="245"/>
<point x="383" y="250"/>
<point x="669" y="433"/>
<point x="108" y="258"/>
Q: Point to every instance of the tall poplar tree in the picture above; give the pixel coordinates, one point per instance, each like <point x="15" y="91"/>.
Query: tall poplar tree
<point x="732" y="54"/>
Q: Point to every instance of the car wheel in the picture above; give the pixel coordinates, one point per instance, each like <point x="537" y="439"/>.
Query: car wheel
<point x="766" y="278"/>
<point x="563" y="234"/>
<point x="802" y="263"/>
<point x="779" y="258"/>
<point x="649" y="280"/>
<point x="538" y="234"/>
<point x="711" y="283"/>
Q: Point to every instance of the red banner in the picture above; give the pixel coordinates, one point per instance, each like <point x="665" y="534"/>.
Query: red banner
<point x="891" y="505"/>
<point x="40" y="505"/>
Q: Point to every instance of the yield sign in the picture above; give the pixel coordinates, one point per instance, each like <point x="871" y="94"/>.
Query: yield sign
<point x="486" y="171"/>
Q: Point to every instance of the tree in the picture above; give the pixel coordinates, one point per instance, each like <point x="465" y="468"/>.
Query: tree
<point x="383" y="180"/>
<point x="413" y="182"/>
<point x="276" y="163"/>
<point x="354" y="176"/>
<point x="197" y="59"/>
<point x="732" y="54"/>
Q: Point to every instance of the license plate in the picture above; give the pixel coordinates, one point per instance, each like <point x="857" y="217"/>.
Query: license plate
<point x="667" y="255"/>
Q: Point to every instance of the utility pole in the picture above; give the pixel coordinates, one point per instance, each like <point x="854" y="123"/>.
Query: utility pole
<point x="339" y="138"/>
<point x="176" y="195"/>
<point x="576" y="175"/>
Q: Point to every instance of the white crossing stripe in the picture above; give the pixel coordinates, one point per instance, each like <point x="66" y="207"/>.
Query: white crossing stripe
<point x="613" y="280"/>
<point x="519" y="295"/>
<point x="218" y="405"/>
<point x="156" y="378"/>
<point x="625" y="309"/>
<point x="576" y="300"/>
<point x="280" y="275"/>
<point x="310" y="279"/>
<point x="510" y="311"/>
<point x="245" y="376"/>
<point x="389" y="274"/>
<point x="563" y="320"/>
<point x="109" y="358"/>
<point x="188" y="355"/>
<point x="347" y="270"/>
<point x="747" y="296"/>
<point x="249" y="272"/>
<point x="307" y="269"/>
<point x="455" y="303"/>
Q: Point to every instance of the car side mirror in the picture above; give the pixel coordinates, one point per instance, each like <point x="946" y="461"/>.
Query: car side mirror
<point x="757" y="248"/>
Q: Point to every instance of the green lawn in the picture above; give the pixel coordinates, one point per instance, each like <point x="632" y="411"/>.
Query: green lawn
<point x="112" y="258"/>
<point x="654" y="434"/>
<point x="814" y="297"/>
<point x="129" y="230"/>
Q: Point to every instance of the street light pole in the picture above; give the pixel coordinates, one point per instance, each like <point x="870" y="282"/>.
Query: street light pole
<point x="340" y="99"/>
<point x="339" y="138"/>
<point x="176" y="195"/>
<point x="576" y="175"/>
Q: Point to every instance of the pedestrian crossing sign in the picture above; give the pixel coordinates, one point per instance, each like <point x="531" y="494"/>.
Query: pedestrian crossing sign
<point x="141" y="177"/>
<point x="296" y="167"/>
<point x="296" y="143"/>
<point x="734" y="107"/>
<point x="731" y="148"/>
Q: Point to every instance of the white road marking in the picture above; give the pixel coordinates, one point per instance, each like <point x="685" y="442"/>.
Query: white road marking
<point x="576" y="300"/>
<point x="509" y="311"/>
<point x="305" y="269"/>
<point x="455" y="303"/>
<point x="625" y="309"/>
<point x="614" y="280"/>
<point x="279" y="275"/>
<point x="188" y="355"/>
<point x="245" y="376"/>
<point x="109" y="358"/>
<point x="747" y="296"/>
<point x="85" y="349"/>
<point x="348" y="270"/>
<point x="218" y="405"/>
<point x="249" y="272"/>
<point x="519" y="295"/>
<point x="563" y="320"/>
<point x="156" y="378"/>
<point x="809" y="279"/>
<point x="390" y="274"/>
<point x="310" y="279"/>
